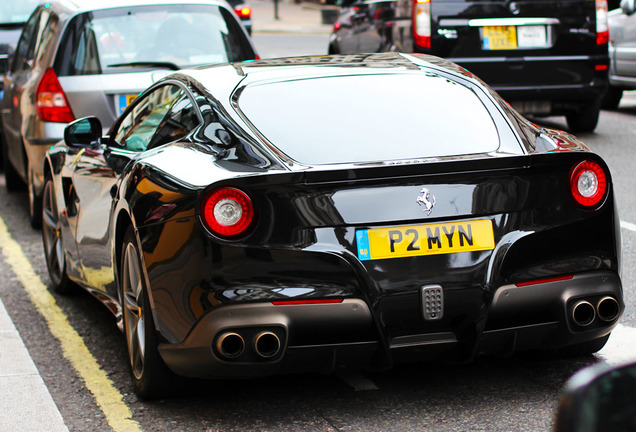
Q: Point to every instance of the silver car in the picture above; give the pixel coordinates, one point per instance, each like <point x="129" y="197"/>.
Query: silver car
<point x="622" y="50"/>
<point x="93" y="57"/>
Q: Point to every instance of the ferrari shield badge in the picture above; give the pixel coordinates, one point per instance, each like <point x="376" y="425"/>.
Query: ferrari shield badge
<point x="427" y="200"/>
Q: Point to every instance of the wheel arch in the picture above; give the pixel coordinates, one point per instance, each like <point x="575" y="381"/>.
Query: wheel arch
<point x="123" y="222"/>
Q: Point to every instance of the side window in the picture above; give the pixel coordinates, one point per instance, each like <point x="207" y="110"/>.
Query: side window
<point x="27" y="39"/>
<point x="45" y="42"/>
<point x="179" y="122"/>
<point x="78" y="52"/>
<point x="139" y="126"/>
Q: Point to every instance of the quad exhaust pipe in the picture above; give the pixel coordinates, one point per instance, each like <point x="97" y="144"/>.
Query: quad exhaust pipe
<point x="584" y="313"/>
<point x="230" y="345"/>
<point x="266" y="344"/>
<point x="608" y="308"/>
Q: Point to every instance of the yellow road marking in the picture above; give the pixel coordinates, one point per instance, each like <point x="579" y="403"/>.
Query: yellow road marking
<point x="108" y="398"/>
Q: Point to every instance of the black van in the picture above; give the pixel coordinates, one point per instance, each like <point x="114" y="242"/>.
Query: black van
<point x="545" y="57"/>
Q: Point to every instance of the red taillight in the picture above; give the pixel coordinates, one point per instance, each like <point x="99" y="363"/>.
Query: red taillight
<point x="306" y="302"/>
<point x="243" y="11"/>
<point x="588" y="184"/>
<point x="547" y="280"/>
<point x="422" y="23"/>
<point x="337" y="26"/>
<point x="227" y="212"/>
<point x="51" y="101"/>
<point x="602" y="26"/>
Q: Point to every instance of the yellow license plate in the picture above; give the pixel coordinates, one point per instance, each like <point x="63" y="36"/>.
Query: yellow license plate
<point x="125" y="100"/>
<point x="499" y="37"/>
<point x="429" y="239"/>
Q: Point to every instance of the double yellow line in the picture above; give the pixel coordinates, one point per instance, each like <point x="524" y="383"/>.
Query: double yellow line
<point x="108" y="398"/>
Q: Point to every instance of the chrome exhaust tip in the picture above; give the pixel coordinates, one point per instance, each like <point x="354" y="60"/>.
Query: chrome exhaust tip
<point x="267" y="344"/>
<point x="583" y="313"/>
<point x="608" y="308"/>
<point x="230" y="345"/>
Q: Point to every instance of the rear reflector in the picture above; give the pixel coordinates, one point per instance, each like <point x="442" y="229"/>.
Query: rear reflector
<point x="51" y="102"/>
<point x="306" y="302"/>
<point x="547" y="280"/>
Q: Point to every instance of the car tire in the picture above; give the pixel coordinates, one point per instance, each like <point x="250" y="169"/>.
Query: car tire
<point x="35" y="205"/>
<point x="12" y="179"/>
<point x="612" y="98"/>
<point x="52" y="241"/>
<point x="150" y="376"/>
<point x="586" y="119"/>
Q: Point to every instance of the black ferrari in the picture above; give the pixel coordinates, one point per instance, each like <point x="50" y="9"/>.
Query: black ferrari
<point x="303" y="214"/>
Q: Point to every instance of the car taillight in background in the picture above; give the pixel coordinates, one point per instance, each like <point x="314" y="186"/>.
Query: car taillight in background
<point x="602" y="26"/>
<point x="227" y="212"/>
<point x="588" y="184"/>
<point x="243" y="11"/>
<point x="422" y="23"/>
<point x="51" y="102"/>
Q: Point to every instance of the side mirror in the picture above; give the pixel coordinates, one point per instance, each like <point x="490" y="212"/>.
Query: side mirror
<point x="628" y="6"/>
<point x="598" y="399"/>
<point x="83" y="132"/>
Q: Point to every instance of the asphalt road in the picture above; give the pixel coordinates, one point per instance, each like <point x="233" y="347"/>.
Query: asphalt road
<point x="491" y="394"/>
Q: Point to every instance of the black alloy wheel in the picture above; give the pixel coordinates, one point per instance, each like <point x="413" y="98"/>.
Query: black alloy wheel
<point x="52" y="241"/>
<point x="150" y="375"/>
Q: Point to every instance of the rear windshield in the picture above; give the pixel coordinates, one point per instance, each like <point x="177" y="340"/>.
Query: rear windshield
<point x="17" y="11"/>
<point x="370" y="118"/>
<point x="110" y="41"/>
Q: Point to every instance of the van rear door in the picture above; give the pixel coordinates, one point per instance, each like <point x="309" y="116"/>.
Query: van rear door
<point x="522" y="43"/>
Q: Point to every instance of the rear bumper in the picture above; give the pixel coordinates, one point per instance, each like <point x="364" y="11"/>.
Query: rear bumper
<point x="564" y="83"/>
<point x="321" y="337"/>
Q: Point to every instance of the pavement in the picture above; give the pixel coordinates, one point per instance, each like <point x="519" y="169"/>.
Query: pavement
<point x="25" y="402"/>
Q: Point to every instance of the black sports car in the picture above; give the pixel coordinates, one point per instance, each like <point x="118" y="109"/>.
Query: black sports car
<point x="301" y="214"/>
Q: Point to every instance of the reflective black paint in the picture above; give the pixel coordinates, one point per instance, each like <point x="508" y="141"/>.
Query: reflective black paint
<point x="302" y="245"/>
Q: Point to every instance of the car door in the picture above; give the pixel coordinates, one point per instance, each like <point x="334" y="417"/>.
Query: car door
<point x="96" y="178"/>
<point x="19" y="75"/>
<point x="624" y="42"/>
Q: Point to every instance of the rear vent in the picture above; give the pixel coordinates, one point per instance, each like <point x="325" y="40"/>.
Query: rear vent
<point x="432" y="302"/>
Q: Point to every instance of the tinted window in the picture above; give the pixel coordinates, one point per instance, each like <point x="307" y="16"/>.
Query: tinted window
<point x="140" y="124"/>
<point x="179" y="122"/>
<point x="23" y="58"/>
<point x="370" y="118"/>
<point x="185" y="35"/>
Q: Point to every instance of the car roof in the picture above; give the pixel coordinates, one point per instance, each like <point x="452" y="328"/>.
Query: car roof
<point x="79" y="6"/>
<point x="221" y="79"/>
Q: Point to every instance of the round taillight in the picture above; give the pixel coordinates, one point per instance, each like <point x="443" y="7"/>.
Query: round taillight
<point x="588" y="183"/>
<point x="227" y="212"/>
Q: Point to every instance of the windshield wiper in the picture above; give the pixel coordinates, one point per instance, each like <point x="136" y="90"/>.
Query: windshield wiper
<point x="149" y="64"/>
